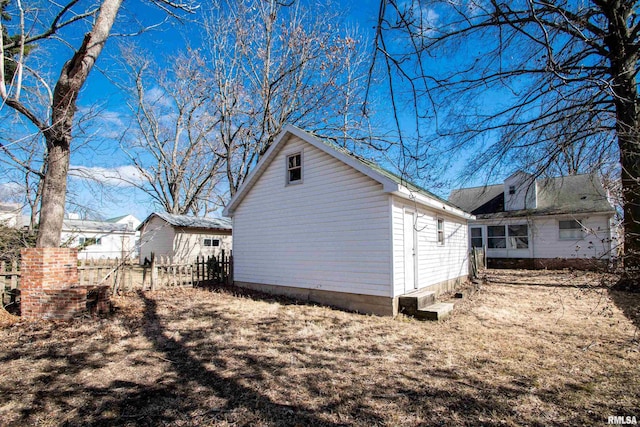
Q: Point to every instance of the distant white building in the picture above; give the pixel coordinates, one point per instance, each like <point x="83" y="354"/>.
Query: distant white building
<point x="183" y="237"/>
<point x="113" y="238"/>
<point x="540" y="223"/>
<point x="11" y="214"/>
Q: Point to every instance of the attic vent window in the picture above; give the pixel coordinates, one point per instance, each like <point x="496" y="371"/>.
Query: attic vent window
<point x="512" y="189"/>
<point x="294" y="168"/>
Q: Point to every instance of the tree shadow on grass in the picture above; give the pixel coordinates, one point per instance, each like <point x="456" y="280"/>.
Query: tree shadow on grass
<point x="628" y="303"/>
<point x="210" y="363"/>
<point x="193" y="392"/>
<point x="237" y="397"/>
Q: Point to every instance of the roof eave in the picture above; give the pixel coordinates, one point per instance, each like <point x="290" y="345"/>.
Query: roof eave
<point x="388" y="185"/>
<point x="436" y="204"/>
<point x="533" y="213"/>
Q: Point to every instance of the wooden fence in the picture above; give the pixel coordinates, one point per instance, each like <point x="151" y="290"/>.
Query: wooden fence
<point x="9" y="282"/>
<point x="477" y="261"/>
<point x="124" y="276"/>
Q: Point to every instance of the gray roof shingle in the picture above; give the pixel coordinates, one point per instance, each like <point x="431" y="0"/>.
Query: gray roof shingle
<point x="188" y="221"/>
<point x="88" y="226"/>
<point x="555" y="196"/>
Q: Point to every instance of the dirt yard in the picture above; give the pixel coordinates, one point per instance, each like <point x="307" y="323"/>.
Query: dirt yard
<point x="531" y="348"/>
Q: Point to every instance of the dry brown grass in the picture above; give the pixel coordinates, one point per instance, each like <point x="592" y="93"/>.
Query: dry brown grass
<point x="532" y="348"/>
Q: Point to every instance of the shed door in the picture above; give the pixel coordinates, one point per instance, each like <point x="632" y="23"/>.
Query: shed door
<point x="410" y="238"/>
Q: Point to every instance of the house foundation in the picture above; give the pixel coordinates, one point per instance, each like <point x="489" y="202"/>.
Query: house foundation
<point x="369" y="304"/>
<point x="365" y="304"/>
<point x="588" y="264"/>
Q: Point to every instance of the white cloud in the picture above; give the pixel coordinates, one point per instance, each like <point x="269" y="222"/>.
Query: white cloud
<point x="121" y="176"/>
<point x="11" y="191"/>
<point x="158" y="97"/>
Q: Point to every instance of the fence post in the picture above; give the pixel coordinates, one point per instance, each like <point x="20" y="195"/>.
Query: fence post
<point x="2" y="281"/>
<point x="154" y="272"/>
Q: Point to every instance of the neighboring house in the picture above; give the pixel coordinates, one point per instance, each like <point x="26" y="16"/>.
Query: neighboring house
<point x="314" y="222"/>
<point x="540" y="223"/>
<point x="182" y="237"/>
<point x="112" y="238"/>
<point x="11" y="214"/>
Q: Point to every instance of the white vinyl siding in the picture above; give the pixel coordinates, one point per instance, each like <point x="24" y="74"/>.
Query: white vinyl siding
<point x="596" y="240"/>
<point x="436" y="263"/>
<point x="189" y="244"/>
<point x="107" y="244"/>
<point x="156" y="236"/>
<point x="180" y="244"/>
<point x="331" y="233"/>
<point x="544" y="238"/>
<point x="570" y="229"/>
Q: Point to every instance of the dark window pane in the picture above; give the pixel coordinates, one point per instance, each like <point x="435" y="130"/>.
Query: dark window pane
<point x="295" y="175"/>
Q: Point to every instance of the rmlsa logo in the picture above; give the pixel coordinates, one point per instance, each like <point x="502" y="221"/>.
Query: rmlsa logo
<point x="623" y="420"/>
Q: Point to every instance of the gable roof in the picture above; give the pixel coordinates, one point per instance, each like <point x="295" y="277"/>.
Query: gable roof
<point x="188" y="221"/>
<point x="121" y="217"/>
<point x="470" y="199"/>
<point x="554" y="196"/>
<point x="81" y="225"/>
<point x="391" y="183"/>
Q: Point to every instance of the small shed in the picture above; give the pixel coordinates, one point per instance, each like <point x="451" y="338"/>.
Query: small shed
<point x="315" y="222"/>
<point x="183" y="237"/>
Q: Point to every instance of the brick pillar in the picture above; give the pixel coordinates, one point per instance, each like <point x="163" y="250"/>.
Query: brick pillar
<point x="49" y="284"/>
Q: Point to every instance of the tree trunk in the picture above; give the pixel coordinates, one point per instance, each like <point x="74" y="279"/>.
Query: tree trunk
<point x="58" y="135"/>
<point x="54" y="194"/>
<point x="623" y="59"/>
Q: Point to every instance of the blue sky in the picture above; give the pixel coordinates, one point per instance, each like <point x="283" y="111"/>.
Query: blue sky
<point x="102" y="157"/>
<point x="114" y="199"/>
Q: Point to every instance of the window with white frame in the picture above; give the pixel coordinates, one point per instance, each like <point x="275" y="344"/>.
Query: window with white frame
<point x="294" y="168"/>
<point x="570" y="230"/>
<point x="476" y="237"/>
<point x="440" y="231"/>
<point x="515" y="235"/>
<point x="86" y="241"/>
<point x="518" y="236"/>
<point x="496" y="237"/>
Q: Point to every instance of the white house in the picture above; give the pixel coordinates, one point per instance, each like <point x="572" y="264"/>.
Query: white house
<point x="315" y="222"/>
<point x="113" y="238"/>
<point x="183" y="237"/>
<point x="540" y="223"/>
<point x="11" y="214"/>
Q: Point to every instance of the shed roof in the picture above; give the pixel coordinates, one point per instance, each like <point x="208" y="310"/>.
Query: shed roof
<point x="188" y="221"/>
<point x="391" y="182"/>
<point x="10" y="207"/>
<point x="554" y="196"/>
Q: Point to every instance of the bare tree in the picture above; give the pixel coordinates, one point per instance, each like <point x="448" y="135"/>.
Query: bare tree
<point x="279" y="63"/>
<point x="55" y="120"/>
<point x="172" y="141"/>
<point x="23" y="163"/>
<point x="545" y="80"/>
